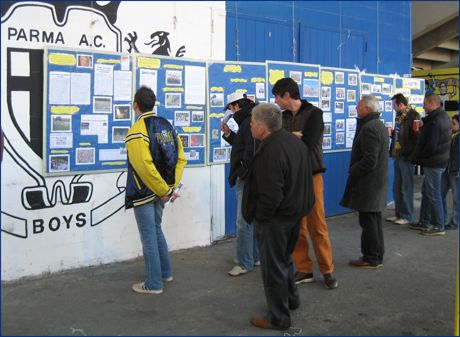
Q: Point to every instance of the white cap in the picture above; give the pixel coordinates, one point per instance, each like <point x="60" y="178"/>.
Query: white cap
<point x="235" y="96"/>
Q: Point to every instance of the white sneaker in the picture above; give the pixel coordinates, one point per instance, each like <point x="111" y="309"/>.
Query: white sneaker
<point x="237" y="270"/>
<point x="392" y="218"/>
<point x="257" y="263"/>
<point x="140" y="288"/>
<point x="168" y="279"/>
<point x="401" y="222"/>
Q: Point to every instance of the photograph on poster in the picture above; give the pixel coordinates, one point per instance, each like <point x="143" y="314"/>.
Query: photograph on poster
<point x="352" y="111"/>
<point x="216" y="100"/>
<point x="340" y="138"/>
<point x="381" y="106"/>
<point x="339" y="93"/>
<point x="102" y="104"/>
<point x="260" y="90"/>
<point x="219" y="154"/>
<point x="185" y="138"/>
<point x="327" y="144"/>
<point x="339" y="78"/>
<point x="365" y="88"/>
<point x="352" y="79"/>
<point x="119" y="133"/>
<point x="59" y="163"/>
<point x="84" y="61"/>
<point x="181" y="118"/>
<point x="376" y="88"/>
<point x="325" y="104"/>
<point x="197" y="116"/>
<point x="310" y="87"/>
<point x="327" y="129"/>
<point x="174" y="77"/>
<point x="215" y="134"/>
<point x="173" y="100"/>
<point x="386" y="88"/>
<point x="197" y="140"/>
<point x="296" y="76"/>
<point x="339" y="107"/>
<point x="85" y="156"/>
<point x="351" y="95"/>
<point x="388" y="106"/>
<point x="326" y="92"/>
<point x="121" y="112"/>
<point x="193" y="155"/>
<point x="339" y="125"/>
<point x="61" y="123"/>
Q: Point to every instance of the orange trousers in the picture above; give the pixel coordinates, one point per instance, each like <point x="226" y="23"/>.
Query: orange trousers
<point x="315" y="225"/>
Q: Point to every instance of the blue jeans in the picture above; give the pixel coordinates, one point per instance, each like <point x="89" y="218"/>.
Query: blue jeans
<point x="432" y="212"/>
<point x="247" y="249"/>
<point x="156" y="257"/>
<point x="403" y="189"/>
<point x="450" y="182"/>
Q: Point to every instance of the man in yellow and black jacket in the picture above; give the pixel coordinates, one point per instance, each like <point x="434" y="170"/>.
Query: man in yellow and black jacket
<point x="156" y="164"/>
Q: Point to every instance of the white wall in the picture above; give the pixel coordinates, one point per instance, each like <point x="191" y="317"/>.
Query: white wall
<point x="60" y="234"/>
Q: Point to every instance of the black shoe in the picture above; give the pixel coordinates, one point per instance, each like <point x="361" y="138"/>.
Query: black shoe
<point x="418" y="226"/>
<point x="303" y="277"/>
<point x="450" y="227"/>
<point x="330" y="282"/>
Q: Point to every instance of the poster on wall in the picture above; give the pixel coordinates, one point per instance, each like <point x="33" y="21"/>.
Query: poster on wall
<point x="180" y="87"/>
<point x="339" y="96"/>
<point x="87" y="104"/>
<point x="413" y="89"/>
<point x="382" y="87"/>
<point x="225" y="78"/>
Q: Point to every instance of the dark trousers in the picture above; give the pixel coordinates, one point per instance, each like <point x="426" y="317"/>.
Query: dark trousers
<point x="277" y="240"/>
<point x="372" y="245"/>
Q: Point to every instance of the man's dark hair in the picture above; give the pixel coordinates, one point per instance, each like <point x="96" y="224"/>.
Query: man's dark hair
<point x="455" y="117"/>
<point x="399" y="98"/>
<point x="145" y="99"/>
<point x="285" y="85"/>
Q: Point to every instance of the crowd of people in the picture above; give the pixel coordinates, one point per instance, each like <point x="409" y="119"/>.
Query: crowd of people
<point x="276" y="151"/>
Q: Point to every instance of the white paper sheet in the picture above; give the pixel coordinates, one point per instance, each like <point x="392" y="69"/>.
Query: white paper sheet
<point x="195" y="85"/>
<point x="327" y="117"/>
<point x="80" y="89"/>
<point x="112" y="154"/>
<point x="59" y="88"/>
<point x="148" y="78"/>
<point x="95" y="125"/>
<point x="350" y="132"/>
<point x="103" y="79"/>
<point x="61" y="140"/>
<point x="122" y="85"/>
<point x="260" y="90"/>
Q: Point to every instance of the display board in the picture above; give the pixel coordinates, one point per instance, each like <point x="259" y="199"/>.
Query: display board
<point x="180" y="87"/>
<point x="382" y="87"/>
<point x="225" y="78"/>
<point x="413" y="89"/>
<point x="339" y="96"/>
<point x="306" y="76"/>
<point x="87" y="110"/>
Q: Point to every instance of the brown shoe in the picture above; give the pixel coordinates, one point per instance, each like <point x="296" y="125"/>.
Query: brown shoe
<point x="264" y="323"/>
<point x="360" y="263"/>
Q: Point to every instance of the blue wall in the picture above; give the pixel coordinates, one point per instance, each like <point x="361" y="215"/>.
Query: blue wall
<point x="366" y="34"/>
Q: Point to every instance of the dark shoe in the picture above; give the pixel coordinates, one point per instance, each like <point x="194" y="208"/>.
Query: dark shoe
<point x="450" y="227"/>
<point x="264" y="323"/>
<point x="360" y="263"/>
<point x="300" y="277"/>
<point x="433" y="231"/>
<point x="330" y="282"/>
<point x="418" y="226"/>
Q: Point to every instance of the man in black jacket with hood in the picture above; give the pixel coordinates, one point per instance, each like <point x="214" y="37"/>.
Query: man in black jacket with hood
<point x="275" y="203"/>
<point x="243" y="147"/>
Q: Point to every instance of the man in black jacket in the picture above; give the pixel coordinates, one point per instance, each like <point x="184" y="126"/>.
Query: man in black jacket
<point x="432" y="152"/>
<point x="274" y="203"/>
<point x="305" y="121"/>
<point x="403" y="141"/>
<point x="366" y="189"/>
<point x="243" y="147"/>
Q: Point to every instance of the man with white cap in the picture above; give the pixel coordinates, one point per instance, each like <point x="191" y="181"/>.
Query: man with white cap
<point x="243" y="148"/>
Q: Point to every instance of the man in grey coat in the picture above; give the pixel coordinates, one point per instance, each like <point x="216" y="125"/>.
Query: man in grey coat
<point x="366" y="189"/>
